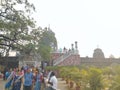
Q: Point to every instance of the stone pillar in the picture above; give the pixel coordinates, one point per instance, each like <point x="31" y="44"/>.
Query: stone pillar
<point x="76" y="47"/>
<point x="72" y="47"/>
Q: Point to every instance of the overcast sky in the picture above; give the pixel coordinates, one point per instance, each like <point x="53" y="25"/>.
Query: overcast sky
<point x="91" y="23"/>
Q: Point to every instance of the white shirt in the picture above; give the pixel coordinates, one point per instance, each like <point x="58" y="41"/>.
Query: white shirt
<point x="53" y="79"/>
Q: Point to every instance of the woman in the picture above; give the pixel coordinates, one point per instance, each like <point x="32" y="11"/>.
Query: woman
<point x="9" y="82"/>
<point x="38" y="80"/>
<point x="7" y="74"/>
<point x="17" y="80"/>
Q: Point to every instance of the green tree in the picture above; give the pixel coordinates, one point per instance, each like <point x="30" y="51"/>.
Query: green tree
<point x="47" y="43"/>
<point x="115" y="84"/>
<point x="95" y="79"/>
<point x="48" y="38"/>
<point x="18" y="30"/>
<point x="15" y="24"/>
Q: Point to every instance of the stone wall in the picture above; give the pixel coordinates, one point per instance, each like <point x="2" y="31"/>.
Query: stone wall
<point x="73" y="60"/>
<point x="99" y="61"/>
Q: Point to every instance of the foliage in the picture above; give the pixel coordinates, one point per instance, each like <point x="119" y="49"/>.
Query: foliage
<point x="95" y="79"/>
<point x="64" y="72"/>
<point x="15" y="24"/>
<point x="53" y="68"/>
<point x="47" y="43"/>
<point x="48" y="38"/>
<point x="18" y="30"/>
<point x="115" y="85"/>
<point x="92" y="78"/>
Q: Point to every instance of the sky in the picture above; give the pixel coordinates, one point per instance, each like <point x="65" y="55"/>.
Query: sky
<point x="92" y="23"/>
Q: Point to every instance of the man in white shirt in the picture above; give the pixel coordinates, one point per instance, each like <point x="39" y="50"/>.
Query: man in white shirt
<point x="53" y="81"/>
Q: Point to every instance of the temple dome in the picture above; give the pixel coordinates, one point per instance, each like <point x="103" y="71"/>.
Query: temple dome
<point x="98" y="53"/>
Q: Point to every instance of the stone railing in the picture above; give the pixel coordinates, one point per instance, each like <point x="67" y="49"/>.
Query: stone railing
<point x="63" y="57"/>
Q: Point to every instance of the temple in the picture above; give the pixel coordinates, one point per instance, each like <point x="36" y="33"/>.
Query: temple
<point x="72" y="57"/>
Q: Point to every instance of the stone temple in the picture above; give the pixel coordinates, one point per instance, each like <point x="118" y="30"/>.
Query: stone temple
<point x="72" y="58"/>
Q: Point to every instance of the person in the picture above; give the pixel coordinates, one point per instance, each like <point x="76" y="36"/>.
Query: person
<point x="47" y="78"/>
<point x="53" y="82"/>
<point x="43" y="83"/>
<point x="25" y="68"/>
<point x="7" y="74"/>
<point x="49" y="73"/>
<point x="5" y="69"/>
<point x="38" y="80"/>
<point x="28" y="78"/>
<point x="9" y="83"/>
<point x="17" y="80"/>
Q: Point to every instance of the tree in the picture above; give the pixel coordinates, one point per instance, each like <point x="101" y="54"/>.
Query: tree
<point x="115" y="84"/>
<point x="48" y="38"/>
<point x="18" y="30"/>
<point x="95" y="79"/>
<point x="15" y="24"/>
<point x="47" y="43"/>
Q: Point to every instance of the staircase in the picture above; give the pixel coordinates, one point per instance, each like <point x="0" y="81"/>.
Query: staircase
<point x="70" y="57"/>
<point x="61" y="58"/>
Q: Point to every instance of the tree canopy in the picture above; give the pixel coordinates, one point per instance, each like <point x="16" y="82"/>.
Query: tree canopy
<point x="18" y="30"/>
<point x="15" y="24"/>
<point x="47" y="43"/>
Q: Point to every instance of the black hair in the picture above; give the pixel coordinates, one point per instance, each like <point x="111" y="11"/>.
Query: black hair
<point x="52" y="74"/>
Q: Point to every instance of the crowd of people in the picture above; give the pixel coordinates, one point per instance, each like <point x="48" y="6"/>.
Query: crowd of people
<point x="30" y="78"/>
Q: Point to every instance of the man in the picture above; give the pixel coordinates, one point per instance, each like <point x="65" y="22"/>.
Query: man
<point x="48" y="76"/>
<point x="53" y="82"/>
<point x="28" y="77"/>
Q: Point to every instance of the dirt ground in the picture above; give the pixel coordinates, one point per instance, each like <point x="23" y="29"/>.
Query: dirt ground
<point x="62" y="85"/>
<point x="2" y="83"/>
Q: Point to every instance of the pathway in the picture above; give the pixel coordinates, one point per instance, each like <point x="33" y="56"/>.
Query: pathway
<point x="2" y="83"/>
<point x="61" y="85"/>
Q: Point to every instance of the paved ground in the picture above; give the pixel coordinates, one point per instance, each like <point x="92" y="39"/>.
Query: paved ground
<point x="61" y="84"/>
<point x="2" y="83"/>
